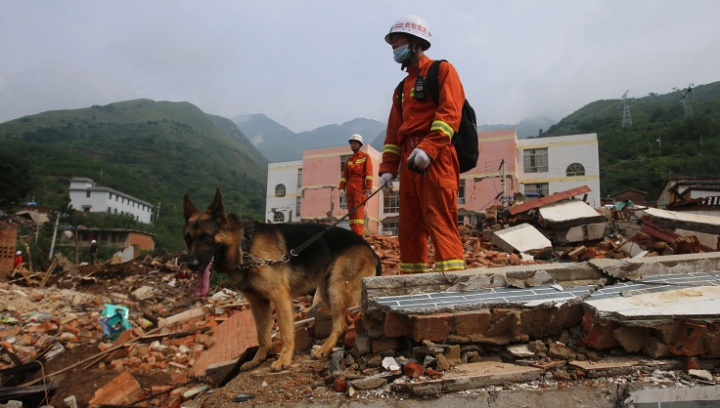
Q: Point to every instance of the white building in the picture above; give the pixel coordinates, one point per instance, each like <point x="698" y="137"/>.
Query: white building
<point x="549" y="165"/>
<point x="86" y="196"/>
<point x="284" y="192"/>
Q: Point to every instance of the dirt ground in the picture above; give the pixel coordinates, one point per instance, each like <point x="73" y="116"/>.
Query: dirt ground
<point x="304" y="381"/>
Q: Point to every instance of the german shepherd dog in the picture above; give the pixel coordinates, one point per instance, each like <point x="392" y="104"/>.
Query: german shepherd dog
<point x="256" y="258"/>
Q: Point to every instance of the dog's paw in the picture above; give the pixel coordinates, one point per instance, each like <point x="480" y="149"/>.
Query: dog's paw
<point x="320" y="353"/>
<point x="279" y="365"/>
<point x="250" y="365"/>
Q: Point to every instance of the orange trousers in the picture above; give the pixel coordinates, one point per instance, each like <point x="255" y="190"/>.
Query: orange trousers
<point x="354" y="195"/>
<point x="429" y="207"/>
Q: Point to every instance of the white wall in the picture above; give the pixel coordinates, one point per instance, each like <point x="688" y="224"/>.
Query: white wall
<point x="285" y="173"/>
<point x="100" y="201"/>
<point x="563" y="151"/>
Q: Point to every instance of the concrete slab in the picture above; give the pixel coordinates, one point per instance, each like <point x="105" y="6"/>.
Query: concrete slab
<point x="588" y="232"/>
<point x="662" y="265"/>
<point x="547" y="295"/>
<point x="623" y="365"/>
<point x="675" y="397"/>
<point x="397" y="285"/>
<point x="520" y="238"/>
<point x="649" y="301"/>
<point x="568" y="214"/>
<point x="675" y="220"/>
<point x="469" y="376"/>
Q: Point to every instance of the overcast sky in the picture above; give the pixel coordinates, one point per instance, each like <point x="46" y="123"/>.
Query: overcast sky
<point x="312" y="63"/>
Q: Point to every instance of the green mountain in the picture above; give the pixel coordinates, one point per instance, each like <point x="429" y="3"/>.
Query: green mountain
<point x="677" y="133"/>
<point x="280" y="144"/>
<point x="155" y="151"/>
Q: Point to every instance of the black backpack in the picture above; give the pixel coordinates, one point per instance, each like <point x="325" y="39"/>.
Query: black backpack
<point x="465" y="139"/>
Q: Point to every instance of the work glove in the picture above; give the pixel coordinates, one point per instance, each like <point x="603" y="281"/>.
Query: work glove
<point x="368" y="192"/>
<point x="342" y="193"/>
<point x="419" y="159"/>
<point x="386" y="182"/>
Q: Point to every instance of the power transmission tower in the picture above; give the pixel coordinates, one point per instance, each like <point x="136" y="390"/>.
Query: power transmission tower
<point x="627" y="120"/>
<point x="686" y="101"/>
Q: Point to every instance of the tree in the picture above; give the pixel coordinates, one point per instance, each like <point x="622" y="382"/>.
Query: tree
<point x="15" y="182"/>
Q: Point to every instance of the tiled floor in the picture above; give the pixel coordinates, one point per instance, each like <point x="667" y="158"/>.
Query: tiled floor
<point x="485" y="297"/>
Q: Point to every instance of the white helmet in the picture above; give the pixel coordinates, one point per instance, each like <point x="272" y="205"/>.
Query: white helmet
<point x="356" y="138"/>
<point x="92" y="242"/>
<point x="414" y="26"/>
<point x="18" y="253"/>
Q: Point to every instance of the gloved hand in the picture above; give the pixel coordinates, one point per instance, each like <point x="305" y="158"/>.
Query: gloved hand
<point x="386" y="182"/>
<point x="342" y="193"/>
<point x="419" y="159"/>
<point x="368" y="192"/>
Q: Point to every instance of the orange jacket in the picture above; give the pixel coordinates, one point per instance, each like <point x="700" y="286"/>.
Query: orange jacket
<point x="358" y="171"/>
<point x="18" y="261"/>
<point x="425" y="125"/>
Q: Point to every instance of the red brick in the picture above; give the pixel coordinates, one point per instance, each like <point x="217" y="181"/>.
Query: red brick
<point x="123" y="389"/>
<point x="474" y="322"/>
<point x="413" y="370"/>
<point x="383" y="344"/>
<point x="339" y="385"/>
<point x="350" y="337"/>
<point x="691" y="341"/>
<point x="397" y="325"/>
<point x="435" y="327"/>
<point x="598" y="334"/>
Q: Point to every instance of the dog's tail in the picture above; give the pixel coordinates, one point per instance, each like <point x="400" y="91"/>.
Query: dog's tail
<point x="378" y="267"/>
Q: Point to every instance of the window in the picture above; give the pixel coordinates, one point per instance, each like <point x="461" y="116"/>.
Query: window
<point x="460" y="220"/>
<point x="535" y="160"/>
<point x="110" y="196"/>
<point x="343" y="159"/>
<point x="299" y="184"/>
<point x="278" y="217"/>
<point x="280" y="190"/>
<point x="540" y="188"/>
<point x="343" y="202"/>
<point x="297" y="206"/>
<point x="391" y="203"/>
<point x="88" y="194"/>
<point x="390" y="228"/>
<point x="575" y="169"/>
<point x="461" y="193"/>
<point x="109" y="210"/>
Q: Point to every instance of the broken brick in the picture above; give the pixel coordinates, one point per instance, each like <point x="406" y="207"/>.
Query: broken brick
<point x="435" y="327"/>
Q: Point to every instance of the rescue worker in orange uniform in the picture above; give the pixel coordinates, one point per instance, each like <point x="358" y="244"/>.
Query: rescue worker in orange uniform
<point x="18" y="260"/>
<point x="419" y="132"/>
<point x="357" y="179"/>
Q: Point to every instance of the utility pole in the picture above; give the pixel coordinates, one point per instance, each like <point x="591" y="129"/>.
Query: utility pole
<point x="157" y="213"/>
<point x="52" y="245"/>
<point x="504" y="191"/>
<point x="627" y="119"/>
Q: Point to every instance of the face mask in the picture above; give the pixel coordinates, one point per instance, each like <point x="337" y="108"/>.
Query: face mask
<point x="400" y="54"/>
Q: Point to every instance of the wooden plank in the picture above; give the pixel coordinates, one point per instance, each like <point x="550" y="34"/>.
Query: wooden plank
<point x="48" y="273"/>
<point x="552" y="198"/>
<point x="470" y="376"/>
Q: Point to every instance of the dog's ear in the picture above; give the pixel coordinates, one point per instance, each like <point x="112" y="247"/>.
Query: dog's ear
<point x="217" y="208"/>
<point x="188" y="207"/>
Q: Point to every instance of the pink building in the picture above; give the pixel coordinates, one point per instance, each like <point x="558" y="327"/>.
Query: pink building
<point x="483" y="186"/>
<point x="316" y="197"/>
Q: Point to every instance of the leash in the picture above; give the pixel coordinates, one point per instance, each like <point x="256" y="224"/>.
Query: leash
<point x="262" y="262"/>
<point x="296" y="251"/>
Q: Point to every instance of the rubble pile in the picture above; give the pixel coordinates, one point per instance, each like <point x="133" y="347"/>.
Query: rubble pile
<point x="554" y="296"/>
